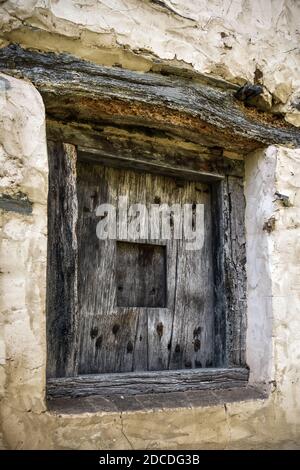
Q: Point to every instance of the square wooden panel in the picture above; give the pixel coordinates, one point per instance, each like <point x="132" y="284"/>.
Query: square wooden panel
<point x="140" y="275"/>
<point x="163" y="316"/>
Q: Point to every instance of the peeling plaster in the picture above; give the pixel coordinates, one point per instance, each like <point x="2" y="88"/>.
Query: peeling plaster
<point x="227" y="39"/>
<point x="273" y="339"/>
<point x="139" y="35"/>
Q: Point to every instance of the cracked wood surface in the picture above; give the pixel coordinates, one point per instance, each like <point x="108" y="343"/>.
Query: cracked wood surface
<point x="147" y="382"/>
<point x="62" y="296"/>
<point x="152" y="151"/>
<point x="228" y="279"/>
<point x="120" y="330"/>
<point x="78" y="90"/>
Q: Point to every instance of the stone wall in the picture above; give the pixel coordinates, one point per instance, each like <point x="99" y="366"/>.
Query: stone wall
<point x="145" y="35"/>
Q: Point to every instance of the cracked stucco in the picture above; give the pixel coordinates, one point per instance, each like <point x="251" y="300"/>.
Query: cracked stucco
<point x="233" y="39"/>
<point x="273" y="338"/>
<point x="273" y="314"/>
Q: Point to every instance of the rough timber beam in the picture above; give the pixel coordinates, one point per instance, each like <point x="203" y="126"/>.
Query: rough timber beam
<point x="80" y="91"/>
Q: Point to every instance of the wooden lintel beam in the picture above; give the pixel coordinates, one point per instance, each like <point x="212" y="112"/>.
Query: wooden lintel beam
<point x="150" y="153"/>
<point x="80" y="90"/>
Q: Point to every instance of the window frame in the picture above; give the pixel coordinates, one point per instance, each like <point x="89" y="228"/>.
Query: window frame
<point x="83" y="97"/>
<point x="230" y="300"/>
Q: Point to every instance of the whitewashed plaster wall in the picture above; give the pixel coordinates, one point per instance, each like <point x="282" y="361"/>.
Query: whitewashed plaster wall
<point x="141" y="35"/>
<point x="227" y="38"/>
<point x="259" y="192"/>
<point x="273" y="314"/>
<point x="23" y="158"/>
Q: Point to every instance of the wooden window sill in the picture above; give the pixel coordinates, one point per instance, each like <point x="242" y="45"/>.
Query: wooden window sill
<point x="133" y="383"/>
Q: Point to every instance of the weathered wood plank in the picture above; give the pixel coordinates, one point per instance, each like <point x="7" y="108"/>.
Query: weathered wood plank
<point x="235" y="272"/>
<point x="93" y="156"/>
<point x="140" y="275"/>
<point x="219" y="239"/>
<point x="158" y="152"/>
<point x="73" y="89"/>
<point x="102" y="272"/>
<point x="230" y="281"/>
<point x="62" y="304"/>
<point x="107" y="333"/>
<point x="230" y="273"/>
<point x="117" y="346"/>
<point x="147" y="382"/>
<point x="193" y="324"/>
<point x="140" y="341"/>
<point x="110" y="333"/>
<point x="159" y="338"/>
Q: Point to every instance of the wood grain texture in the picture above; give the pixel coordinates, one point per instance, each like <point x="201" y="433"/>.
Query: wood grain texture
<point x="78" y="90"/>
<point x="62" y="303"/>
<point x="140" y="275"/>
<point x="121" y="332"/>
<point x="193" y="334"/>
<point x="204" y="323"/>
<point x="219" y="239"/>
<point x="230" y="280"/>
<point x="147" y="382"/>
<point x="235" y="271"/>
<point x="138" y="148"/>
